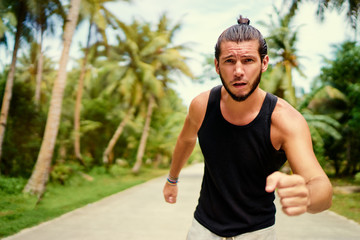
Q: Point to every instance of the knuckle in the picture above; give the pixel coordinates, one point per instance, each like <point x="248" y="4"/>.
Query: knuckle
<point x="294" y="211"/>
<point x="299" y="179"/>
<point x="283" y="202"/>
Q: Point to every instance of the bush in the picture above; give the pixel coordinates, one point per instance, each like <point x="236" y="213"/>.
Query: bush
<point x="11" y="185"/>
<point x="61" y="173"/>
<point x="23" y="136"/>
<point x="357" y="177"/>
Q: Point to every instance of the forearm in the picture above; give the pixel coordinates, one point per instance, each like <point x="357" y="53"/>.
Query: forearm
<point x="182" y="152"/>
<point x="320" y="191"/>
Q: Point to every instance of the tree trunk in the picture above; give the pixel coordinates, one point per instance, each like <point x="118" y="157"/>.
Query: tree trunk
<point x="107" y="159"/>
<point x="10" y="81"/>
<point x="39" y="70"/>
<point x="158" y="160"/>
<point x="144" y="136"/>
<point x="337" y="167"/>
<point x="291" y="88"/>
<point x="79" y="94"/>
<point x="40" y="174"/>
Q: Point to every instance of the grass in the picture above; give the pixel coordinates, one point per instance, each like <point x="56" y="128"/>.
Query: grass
<point x="346" y="204"/>
<point x="19" y="211"/>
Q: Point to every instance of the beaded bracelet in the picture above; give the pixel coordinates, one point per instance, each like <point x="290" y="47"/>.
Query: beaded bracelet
<point x="172" y="181"/>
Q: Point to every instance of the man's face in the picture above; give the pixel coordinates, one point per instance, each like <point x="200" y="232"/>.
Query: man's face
<point x="240" y="68"/>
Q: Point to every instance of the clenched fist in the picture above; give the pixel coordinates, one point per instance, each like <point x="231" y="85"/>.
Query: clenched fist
<point x="292" y="190"/>
<point x="170" y="193"/>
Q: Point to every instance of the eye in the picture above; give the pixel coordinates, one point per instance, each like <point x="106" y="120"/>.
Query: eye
<point x="248" y="60"/>
<point x="229" y="60"/>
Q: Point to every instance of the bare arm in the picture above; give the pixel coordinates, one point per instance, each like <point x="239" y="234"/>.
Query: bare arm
<point x="308" y="189"/>
<point x="186" y="142"/>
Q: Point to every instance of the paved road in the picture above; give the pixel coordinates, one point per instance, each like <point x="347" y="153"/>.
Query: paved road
<point x="141" y="213"/>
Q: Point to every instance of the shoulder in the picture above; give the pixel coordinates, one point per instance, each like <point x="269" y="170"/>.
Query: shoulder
<point x="287" y="122"/>
<point x="197" y="108"/>
<point x="200" y="100"/>
<point x="286" y="114"/>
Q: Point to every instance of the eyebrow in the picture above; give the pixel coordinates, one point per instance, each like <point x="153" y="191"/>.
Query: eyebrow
<point x="242" y="56"/>
<point x="228" y="56"/>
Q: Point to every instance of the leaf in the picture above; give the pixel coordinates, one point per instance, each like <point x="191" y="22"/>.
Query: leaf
<point x="88" y="125"/>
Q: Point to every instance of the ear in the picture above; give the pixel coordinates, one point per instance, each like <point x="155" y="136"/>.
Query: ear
<point x="216" y="63"/>
<point x="265" y="63"/>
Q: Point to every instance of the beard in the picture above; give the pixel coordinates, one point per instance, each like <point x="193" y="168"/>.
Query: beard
<point x="241" y="97"/>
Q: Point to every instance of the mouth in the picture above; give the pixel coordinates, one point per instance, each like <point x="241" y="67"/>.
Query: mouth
<point x="239" y="84"/>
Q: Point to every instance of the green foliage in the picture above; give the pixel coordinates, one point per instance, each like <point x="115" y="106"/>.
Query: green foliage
<point x="26" y="72"/>
<point x="347" y="205"/>
<point x="11" y="185"/>
<point x="20" y="150"/>
<point x="143" y="62"/>
<point x="343" y="74"/>
<point x="282" y="40"/>
<point x="321" y="127"/>
<point x="357" y="178"/>
<point x="60" y="173"/>
<point x="343" y="70"/>
<point x="165" y="127"/>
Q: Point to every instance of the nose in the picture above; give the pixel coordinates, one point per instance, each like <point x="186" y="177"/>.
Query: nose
<point x="239" y="70"/>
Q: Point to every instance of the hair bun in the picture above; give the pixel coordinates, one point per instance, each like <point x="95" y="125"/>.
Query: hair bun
<point x="242" y="20"/>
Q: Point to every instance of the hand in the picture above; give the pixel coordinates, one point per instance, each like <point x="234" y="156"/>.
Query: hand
<point x="292" y="190"/>
<point x="170" y="193"/>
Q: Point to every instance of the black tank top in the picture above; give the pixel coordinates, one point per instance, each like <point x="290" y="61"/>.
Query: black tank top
<point x="238" y="160"/>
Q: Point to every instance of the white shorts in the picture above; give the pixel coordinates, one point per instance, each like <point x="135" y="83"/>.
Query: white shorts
<point x="199" y="232"/>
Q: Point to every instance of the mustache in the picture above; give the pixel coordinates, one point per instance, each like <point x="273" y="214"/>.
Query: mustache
<point x="238" y="79"/>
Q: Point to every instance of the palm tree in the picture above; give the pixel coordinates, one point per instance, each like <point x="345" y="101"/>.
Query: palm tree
<point x="342" y="73"/>
<point x="42" y="12"/>
<point x="352" y="11"/>
<point x="7" y="22"/>
<point x="28" y="67"/>
<point x="323" y="107"/>
<point x="130" y="74"/>
<point x="130" y="91"/>
<point x="147" y="58"/>
<point x="166" y="126"/>
<point x="107" y="155"/>
<point x="19" y="10"/>
<point x="99" y="17"/>
<point x="282" y="47"/>
<point x="159" y="58"/>
<point x="37" y="182"/>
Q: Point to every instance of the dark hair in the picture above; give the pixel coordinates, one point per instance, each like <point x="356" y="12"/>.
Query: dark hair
<point x="239" y="33"/>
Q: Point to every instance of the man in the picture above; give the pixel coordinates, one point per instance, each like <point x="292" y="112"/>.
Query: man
<point x="244" y="134"/>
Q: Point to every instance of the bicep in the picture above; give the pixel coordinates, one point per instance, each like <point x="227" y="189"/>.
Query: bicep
<point x="299" y="149"/>
<point x="194" y="119"/>
<point x="189" y="130"/>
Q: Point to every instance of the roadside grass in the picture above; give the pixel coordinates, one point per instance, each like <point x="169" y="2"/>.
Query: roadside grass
<point x="346" y="204"/>
<point x="19" y="211"/>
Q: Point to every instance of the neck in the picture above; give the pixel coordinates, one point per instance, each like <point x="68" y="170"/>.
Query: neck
<point x="241" y="113"/>
<point x="253" y="101"/>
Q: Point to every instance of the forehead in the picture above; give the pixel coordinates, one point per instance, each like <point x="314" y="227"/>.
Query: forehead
<point x="239" y="48"/>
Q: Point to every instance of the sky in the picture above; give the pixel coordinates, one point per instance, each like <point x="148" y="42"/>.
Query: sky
<point x="204" y="20"/>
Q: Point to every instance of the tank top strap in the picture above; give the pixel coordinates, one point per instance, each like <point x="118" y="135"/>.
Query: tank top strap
<point x="215" y="95"/>
<point x="213" y="105"/>
<point x="269" y="104"/>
